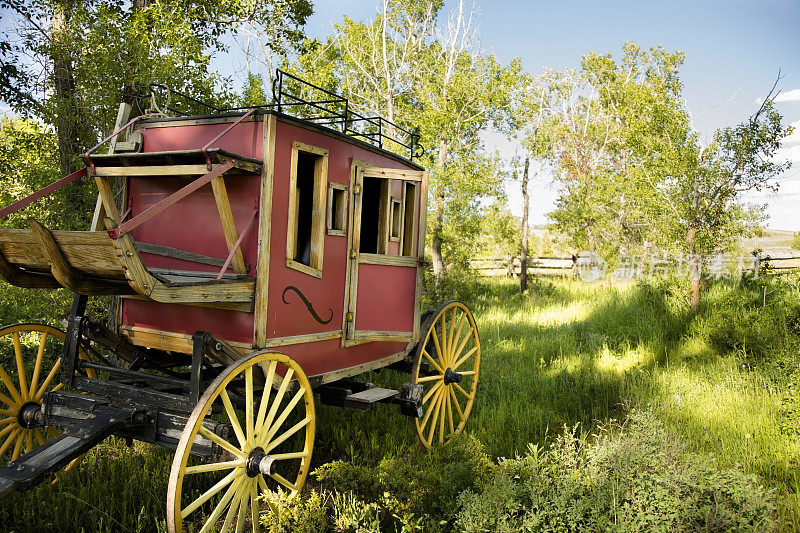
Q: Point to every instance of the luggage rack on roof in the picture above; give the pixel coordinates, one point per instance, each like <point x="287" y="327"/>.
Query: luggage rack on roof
<point x="306" y="101"/>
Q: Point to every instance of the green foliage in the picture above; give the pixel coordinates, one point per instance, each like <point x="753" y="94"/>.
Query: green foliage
<point x="796" y="241"/>
<point x="303" y="515"/>
<point x="253" y="92"/>
<point x="28" y="162"/>
<point x="632" y="477"/>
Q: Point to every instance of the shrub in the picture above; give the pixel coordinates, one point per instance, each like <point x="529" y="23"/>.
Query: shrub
<point x="639" y="478"/>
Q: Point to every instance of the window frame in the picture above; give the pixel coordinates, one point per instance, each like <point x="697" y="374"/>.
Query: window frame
<point x="317" y="214"/>
<point x="344" y="189"/>
<point x="396" y="223"/>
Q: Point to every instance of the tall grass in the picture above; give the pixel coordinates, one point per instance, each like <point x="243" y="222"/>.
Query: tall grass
<point x="566" y="353"/>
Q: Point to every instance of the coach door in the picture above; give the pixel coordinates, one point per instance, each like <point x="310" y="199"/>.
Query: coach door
<point x="386" y="241"/>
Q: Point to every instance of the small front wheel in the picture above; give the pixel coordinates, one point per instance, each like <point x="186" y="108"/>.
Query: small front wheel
<point x="446" y="363"/>
<point x="267" y="403"/>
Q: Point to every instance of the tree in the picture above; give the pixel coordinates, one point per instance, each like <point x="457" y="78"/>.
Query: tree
<point x="707" y="197"/>
<point x="428" y="76"/>
<point x="84" y="58"/>
<point x="70" y="64"/>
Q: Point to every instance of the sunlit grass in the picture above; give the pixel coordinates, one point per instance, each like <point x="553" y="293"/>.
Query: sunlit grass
<point x="567" y="353"/>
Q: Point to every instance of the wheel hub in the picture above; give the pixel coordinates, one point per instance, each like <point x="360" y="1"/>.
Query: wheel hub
<point x="450" y="376"/>
<point x="259" y="462"/>
<point x="29" y="415"/>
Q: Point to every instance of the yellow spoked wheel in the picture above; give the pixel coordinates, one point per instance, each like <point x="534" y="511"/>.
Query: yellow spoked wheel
<point x="269" y="449"/>
<point x="30" y="358"/>
<point x="447" y="363"/>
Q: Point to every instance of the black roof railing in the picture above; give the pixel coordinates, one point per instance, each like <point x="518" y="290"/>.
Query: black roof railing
<point x="304" y="100"/>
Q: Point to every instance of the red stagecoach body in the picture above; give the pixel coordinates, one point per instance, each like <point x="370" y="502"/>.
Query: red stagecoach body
<point x="306" y="312"/>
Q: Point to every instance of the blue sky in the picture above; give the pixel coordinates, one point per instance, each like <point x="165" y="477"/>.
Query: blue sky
<point x="734" y="50"/>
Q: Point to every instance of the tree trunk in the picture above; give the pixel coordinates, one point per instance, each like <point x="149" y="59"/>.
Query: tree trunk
<point x="590" y="237"/>
<point x="691" y="245"/>
<point x="70" y="120"/>
<point x="71" y="123"/>
<point x="438" y="215"/>
<point x="523" y="276"/>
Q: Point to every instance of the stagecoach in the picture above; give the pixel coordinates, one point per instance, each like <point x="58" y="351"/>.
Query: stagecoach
<point x="261" y="259"/>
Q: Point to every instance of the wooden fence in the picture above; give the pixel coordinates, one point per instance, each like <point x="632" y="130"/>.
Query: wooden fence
<point x="565" y="266"/>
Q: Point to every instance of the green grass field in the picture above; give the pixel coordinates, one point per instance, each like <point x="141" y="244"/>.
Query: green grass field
<point x="721" y="386"/>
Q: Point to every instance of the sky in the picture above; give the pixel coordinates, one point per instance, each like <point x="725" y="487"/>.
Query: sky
<point x="734" y="51"/>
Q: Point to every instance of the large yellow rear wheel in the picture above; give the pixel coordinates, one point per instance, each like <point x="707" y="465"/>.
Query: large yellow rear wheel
<point x="447" y="364"/>
<point x="30" y="360"/>
<point x="269" y="449"/>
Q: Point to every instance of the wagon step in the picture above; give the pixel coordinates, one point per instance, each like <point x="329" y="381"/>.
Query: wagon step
<point x="36" y="465"/>
<point x="363" y="400"/>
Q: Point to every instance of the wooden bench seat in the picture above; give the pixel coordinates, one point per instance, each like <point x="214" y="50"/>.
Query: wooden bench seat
<point x="90" y="262"/>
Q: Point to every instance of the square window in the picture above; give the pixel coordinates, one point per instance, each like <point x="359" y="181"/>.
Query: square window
<point x="337" y="209"/>
<point x="396" y="226"/>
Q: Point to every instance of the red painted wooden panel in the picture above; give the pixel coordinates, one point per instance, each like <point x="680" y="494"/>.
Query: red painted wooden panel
<point x="385" y="299"/>
<point x="326" y="356"/>
<point x="243" y="139"/>
<point x="186" y="319"/>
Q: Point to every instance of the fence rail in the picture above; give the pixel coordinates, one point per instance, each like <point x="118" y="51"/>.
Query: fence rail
<point x="565" y="266"/>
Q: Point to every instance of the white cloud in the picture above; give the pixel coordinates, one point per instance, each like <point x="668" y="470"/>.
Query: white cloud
<point x="784" y="96"/>
<point x="788" y="153"/>
<point x="789" y="96"/>
<point x="794" y="138"/>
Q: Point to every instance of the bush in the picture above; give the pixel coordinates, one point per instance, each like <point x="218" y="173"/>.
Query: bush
<point x="637" y="478"/>
<point x="633" y="476"/>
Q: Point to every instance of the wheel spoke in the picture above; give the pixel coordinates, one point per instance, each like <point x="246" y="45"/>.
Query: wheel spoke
<point x="244" y="502"/>
<point x="39" y="437"/>
<point x="262" y="483"/>
<point x="277" y="401"/>
<point x="464" y="358"/>
<point x="210" y="492"/>
<point x="12" y="390"/>
<point x="461" y="345"/>
<point x="435" y="417"/>
<point x="37" y="368"/>
<point x="248" y="403"/>
<point x="434" y="363"/>
<point x="23" y="385"/>
<point x="8" y="420"/>
<point x="254" y="506"/>
<point x="210" y="435"/>
<point x="6" y="400"/>
<point x="459" y="389"/>
<point x="468" y="373"/>
<point x="18" y="446"/>
<point x="213" y="467"/>
<point x="430" y="393"/>
<point x="445" y="398"/>
<point x="429" y="412"/>
<point x="262" y="407"/>
<point x="9" y="439"/>
<point x="7" y="430"/>
<point x="8" y="412"/>
<point x="283" y="481"/>
<point x="286" y="412"/>
<point x="292" y="455"/>
<point x="211" y="522"/>
<point x="48" y="379"/>
<point x="429" y="378"/>
<point x="236" y="502"/>
<point x="448" y="353"/>
<point x="450" y="413"/>
<point x="458" y="406"/>
<point x="28" y="441"/>
<point x="237" y="427"/>
<point x="439" y="349"/>
<point x="286" y="434"/>
<point x="457" y="335"/>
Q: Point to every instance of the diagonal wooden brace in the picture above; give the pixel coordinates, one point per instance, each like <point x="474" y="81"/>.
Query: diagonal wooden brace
<point x="173" y="198"/>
